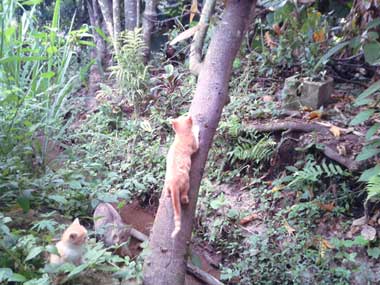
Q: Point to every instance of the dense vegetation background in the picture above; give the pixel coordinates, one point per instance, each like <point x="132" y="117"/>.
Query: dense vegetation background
<point x="289" y="194"/>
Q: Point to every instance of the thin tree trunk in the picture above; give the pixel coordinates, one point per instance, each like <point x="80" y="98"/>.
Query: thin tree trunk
<point x="98" y="52"/>
<point x="116" y="19"/>
<point x="105" y="7"/>
<point x="195" y="61"/>
<point x="130" y="12"/>
<point x="150" y="16"/>
<point x="167" y="259"/>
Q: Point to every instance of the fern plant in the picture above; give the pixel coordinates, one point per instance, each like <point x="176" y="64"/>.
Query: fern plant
<point x="257" y="150"/>
<point x="312" y="172"/>
<point x="373" y="188"/>
<point x="130" y="72"/>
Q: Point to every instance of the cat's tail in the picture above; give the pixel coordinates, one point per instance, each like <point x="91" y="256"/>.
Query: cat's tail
<point x="177" y="211"/>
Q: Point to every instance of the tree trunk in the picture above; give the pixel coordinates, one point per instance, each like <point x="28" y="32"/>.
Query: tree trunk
<point x="166" y="262"/>
<point x="105" y="7"/>
<point x="116" y="19"/>
<point x="149" y="18"/>
<point x="130" y="12"/>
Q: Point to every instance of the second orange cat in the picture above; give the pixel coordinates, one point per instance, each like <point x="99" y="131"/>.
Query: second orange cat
<point x="178" y="163"/>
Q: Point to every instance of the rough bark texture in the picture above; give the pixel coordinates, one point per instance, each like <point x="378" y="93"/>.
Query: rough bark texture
<point x="116" y="18"/>
<point x="195" y="62"/>
<point x="149" y="18"/>
<point x="106" y="9"/>
<point x="166" y="261"/>
<point x="130" y="12"/>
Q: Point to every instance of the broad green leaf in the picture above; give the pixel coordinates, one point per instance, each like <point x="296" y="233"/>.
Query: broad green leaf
<point x="58" y="198"/>
<point x="87" y="43"/>
<point x="329" y="53"/>
<point x="371" y="52"/>
<point x="374" y="252"/>
<point x="24" y="203"/>
<point x="362" y="116"/>
<point x="32" y="2"/>
<point x="371" y="131"/>
<point x="373" y="24"/>
<point x="74" y="184"/>
<point x="5" y="274"/>
<point x="367" y="152"/>
<point x="16" y="277"/>
<point x="196" y="260"/>
<point x="34" y="252"/>
<point x="48" y="75"/>
<point x="77" y="270"/>
<point x="369" y="173"/>
<point x="369" y="91"/>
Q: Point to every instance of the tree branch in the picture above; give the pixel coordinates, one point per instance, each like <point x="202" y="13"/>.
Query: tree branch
<point x="195" y="61"/>
<point x="301" y="126"/>
<point x="166" y="262"/>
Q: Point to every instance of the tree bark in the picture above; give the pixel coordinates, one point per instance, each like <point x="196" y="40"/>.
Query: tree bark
<point x="130" y="13"/>
<point x="150" y="16"/>
<point x="166" y="261"/>
<point x="107" y="16"/>
<point x="116" y="19"/>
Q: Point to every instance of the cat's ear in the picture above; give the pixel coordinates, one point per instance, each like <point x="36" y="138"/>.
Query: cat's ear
<point x="76" y="221"/>
<point x="73" y="236"/>
<point x="175" y="124"/>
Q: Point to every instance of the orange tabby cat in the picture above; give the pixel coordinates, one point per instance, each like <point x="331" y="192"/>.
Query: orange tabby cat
<point x="178" y="163"/>
<point x="71" y="246"/>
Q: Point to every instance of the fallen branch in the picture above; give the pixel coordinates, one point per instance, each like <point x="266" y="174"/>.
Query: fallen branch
<point x="191" y="269"/>
<point x="295" y="126"/>
<point x="350" y="164"/>
<point x="299" y="126"/>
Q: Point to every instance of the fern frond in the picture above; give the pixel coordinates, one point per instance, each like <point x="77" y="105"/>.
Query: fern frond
<point x="373" y="188"/>
<point x="251" y="150"/>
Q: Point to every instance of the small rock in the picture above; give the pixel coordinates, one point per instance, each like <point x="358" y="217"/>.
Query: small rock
<point x="360" y="222"/>
<point x="368" y="232"/>
<point x="267" y="98"/>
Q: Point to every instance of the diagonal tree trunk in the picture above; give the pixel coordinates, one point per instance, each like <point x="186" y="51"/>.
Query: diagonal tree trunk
<point x="166" y="262"/>
<point x="130" y="13"/>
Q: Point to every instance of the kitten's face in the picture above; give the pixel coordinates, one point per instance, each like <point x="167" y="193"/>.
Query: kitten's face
<point x="75" y="234"/>
<point x="182" y="125"/>
<point x="119" y="235"/>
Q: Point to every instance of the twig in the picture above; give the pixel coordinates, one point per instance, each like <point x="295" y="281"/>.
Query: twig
<point x="193" y="270"/>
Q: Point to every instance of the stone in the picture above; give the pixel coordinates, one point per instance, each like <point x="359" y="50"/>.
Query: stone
<point x="301" y="92"/>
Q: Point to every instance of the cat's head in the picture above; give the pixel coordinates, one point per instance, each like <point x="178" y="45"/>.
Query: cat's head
<point x="182" y="125"/>
<point x="75" y="234"/>
<point x="117" y="235"/>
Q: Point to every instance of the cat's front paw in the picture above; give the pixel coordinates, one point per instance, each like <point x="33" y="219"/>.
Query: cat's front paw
<point x="196" y="133"/>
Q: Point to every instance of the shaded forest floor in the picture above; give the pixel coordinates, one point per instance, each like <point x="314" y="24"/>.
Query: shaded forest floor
<point x="279" y="203"/>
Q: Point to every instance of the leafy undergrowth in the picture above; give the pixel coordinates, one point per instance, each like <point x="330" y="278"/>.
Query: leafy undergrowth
<point x="272" y="206"/>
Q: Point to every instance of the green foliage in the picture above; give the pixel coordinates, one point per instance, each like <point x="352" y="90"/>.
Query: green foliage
<point x="131" y="73"/>
<point x="302" y="40"/>
<point x="22" y="259"/>
<point x="259" y="151"/>
<point x="372" y="147"/>
<point x="312" y="172"/>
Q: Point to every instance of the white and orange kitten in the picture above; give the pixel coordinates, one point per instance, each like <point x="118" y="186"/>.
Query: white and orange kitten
<point x="178" y="163"/>
<point x="71" y="247"/>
